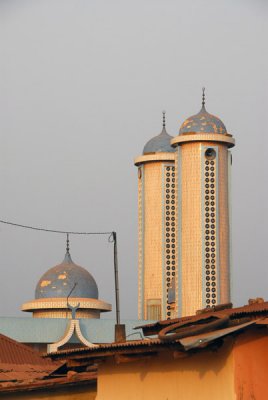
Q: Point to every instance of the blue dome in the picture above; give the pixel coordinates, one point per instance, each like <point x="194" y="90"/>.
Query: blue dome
<point x="159" y="144"/>
<point x="58" y="281"/>
<point x="203" y="122"/>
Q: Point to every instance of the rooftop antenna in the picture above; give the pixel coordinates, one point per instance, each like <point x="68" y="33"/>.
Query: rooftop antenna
<point x="203" y="97"/>
<point x="120" y="329"/>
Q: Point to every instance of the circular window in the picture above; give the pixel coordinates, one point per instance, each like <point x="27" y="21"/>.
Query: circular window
<point x="210" y="154"/>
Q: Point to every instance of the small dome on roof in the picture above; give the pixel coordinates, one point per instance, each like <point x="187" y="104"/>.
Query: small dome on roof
<point x="58" y="281"/>
<point x="203" y="122"/>
<point x="159" y="143"/>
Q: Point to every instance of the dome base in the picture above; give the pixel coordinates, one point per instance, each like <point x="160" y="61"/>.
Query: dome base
<point x="57" y="307"/>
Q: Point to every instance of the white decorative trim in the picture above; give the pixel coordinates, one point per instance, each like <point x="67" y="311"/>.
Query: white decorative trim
<point x="72" y="327"/>
<point x="56" y="303"/>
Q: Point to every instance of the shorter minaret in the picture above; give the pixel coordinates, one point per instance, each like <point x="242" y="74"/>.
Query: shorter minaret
<point x="203" y="168"/>
<point x="156" y="224"/>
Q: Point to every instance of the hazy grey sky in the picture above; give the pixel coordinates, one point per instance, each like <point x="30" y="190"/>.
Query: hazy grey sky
<point x="82" y="87"/>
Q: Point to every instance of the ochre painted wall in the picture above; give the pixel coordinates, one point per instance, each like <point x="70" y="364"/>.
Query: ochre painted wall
<point x="83" y="393"/>
<point x="251" y="365"/>
<point x="204" y="376"/>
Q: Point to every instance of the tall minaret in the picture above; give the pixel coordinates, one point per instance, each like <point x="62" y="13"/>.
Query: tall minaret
<point x="202" y="163"/>
<point x="156" y="214"/>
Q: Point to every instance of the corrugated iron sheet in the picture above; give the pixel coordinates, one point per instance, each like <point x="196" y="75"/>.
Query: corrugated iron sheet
<point x="86" y="378"/>
<point x="186" y="343"/>
<point x="252" y="310"/>
<point x="20" y="372"/>
<point x="238" y="322"/>
<point x="12" y="352"/>
<point x="108" y="346"/>
<point x="200" y="340"/>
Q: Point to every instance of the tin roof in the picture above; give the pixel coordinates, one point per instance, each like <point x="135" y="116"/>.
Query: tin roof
<point x="22" y="372"/>
<point x="39" y="385"/>
<point x="12" y="352"/>
<point x="182" y="334"/>
<point x="257" y="310"/>
<point x="19" y="362"/>
<point x="152" y="345"/>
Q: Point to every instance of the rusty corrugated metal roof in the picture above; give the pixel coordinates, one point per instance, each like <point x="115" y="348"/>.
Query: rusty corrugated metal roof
<point x="193" y="331"/>
<point x="84" y="378"/>
<point x="183" y="344"/>
<point x="12" y="352"/>
<point x="252" y="310"/>
<point x="108" y="346"/>
<point x="201" y="340"/>
<point x="20" y="372"/>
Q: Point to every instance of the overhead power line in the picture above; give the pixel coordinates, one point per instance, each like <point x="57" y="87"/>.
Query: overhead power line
<point x="35" y="228"/>
<point x="111" y="239"/>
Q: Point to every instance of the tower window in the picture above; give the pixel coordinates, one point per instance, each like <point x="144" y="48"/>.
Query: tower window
<point x="210" y="154"/>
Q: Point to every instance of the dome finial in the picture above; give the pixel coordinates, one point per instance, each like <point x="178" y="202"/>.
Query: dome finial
<point x="67" y="244"/>
<point x="67" y="258"/>
<point x="203" y="97"/>
<point x="164" y="118"/>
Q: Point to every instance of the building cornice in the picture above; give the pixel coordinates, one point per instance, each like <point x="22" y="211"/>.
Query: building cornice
<point x="165" y="156"/>
<point x="202" y="137"/>
<point x="61" y="303"/>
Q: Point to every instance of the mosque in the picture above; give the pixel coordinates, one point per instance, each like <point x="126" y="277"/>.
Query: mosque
<point x="184" y="209"/>
<point x="184" y="243"/>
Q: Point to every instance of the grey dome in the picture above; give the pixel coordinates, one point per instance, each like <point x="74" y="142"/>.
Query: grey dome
<point x="203" y="122"/>
<point x="159" y="143"/>
<point x="58" y="281"/>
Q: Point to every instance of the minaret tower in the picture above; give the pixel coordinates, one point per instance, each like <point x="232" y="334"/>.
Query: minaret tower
<point x="202" y="163"/>
<point x="156" y="214"/>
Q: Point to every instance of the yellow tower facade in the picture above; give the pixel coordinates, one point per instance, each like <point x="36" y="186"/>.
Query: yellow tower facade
<point x="203" y="245"/>
<point x="156" y="228"/>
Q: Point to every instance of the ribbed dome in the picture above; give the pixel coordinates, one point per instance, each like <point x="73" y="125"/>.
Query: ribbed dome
<point x="203" y="122"/>
<point x="58" y="281"/>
